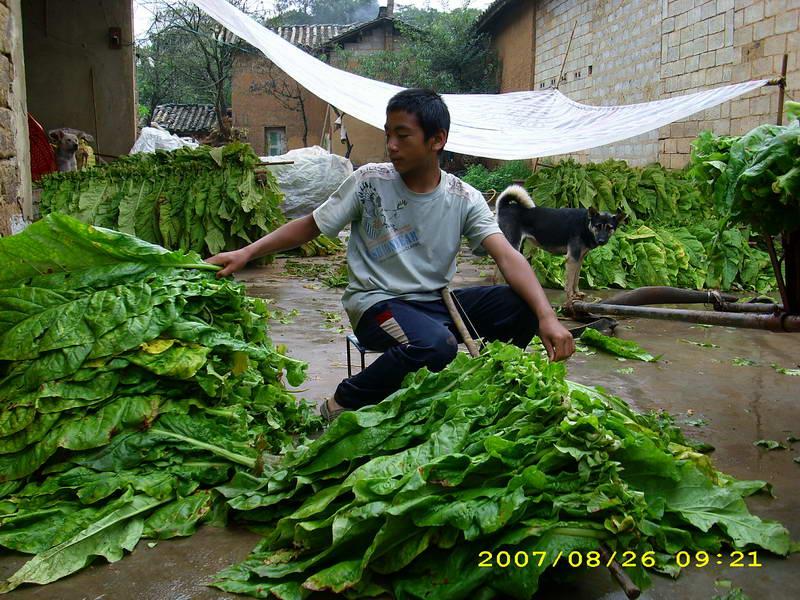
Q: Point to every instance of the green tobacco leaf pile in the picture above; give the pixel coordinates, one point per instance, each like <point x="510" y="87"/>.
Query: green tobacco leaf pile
<point x="651" y="194"/>
<point x="484" y="180"/>
<point x="204" y="200"/>
<point x="693" y="257"/>
<point x="132" y="382"/>
<point x="755" y="178"/>
<point x="495" y="453"/>
<point x="674" y="235"/>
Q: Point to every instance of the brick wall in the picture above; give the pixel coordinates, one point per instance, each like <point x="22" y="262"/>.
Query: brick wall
<point x="10" y="187"/>
<point x="513" y="39"/>
<point x="254" y="109"/>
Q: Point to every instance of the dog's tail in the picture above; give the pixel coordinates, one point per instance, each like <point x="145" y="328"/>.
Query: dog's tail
<point x="515" y="193"/>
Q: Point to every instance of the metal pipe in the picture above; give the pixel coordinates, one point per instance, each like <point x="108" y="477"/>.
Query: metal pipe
<point x="776" y="267"/>
<point x="662" y="294"/>
<point x="770" y="322"/>
<point x="748" y="307"/>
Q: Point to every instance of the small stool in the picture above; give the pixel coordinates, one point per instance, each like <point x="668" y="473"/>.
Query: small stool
<point x="362" y="349"/>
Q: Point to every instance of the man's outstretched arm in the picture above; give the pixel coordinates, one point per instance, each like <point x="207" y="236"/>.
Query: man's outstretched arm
<point x="290" y="235"/>
<point x="518" y="273"/>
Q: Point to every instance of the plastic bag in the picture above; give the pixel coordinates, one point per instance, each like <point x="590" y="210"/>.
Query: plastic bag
<point x="157" y="138"/>
<point x="315" y="175"/>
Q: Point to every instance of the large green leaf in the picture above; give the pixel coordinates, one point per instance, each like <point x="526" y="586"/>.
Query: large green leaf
<point x="616" y="346"/>
<point x="58" y="243"/>
<point x="107" y="537"/>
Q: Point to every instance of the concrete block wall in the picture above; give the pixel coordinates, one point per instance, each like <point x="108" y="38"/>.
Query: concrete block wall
<point x="614" y="58"/>
<point x="721" y="42"/>
<point x="555" y="20"/>
<point x="627" y="51"/>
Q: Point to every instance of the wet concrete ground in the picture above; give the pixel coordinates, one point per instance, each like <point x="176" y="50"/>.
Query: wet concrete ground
<point x="726" y="405"/>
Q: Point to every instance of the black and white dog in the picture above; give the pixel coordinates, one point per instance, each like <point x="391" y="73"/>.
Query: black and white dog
<point x="570" y="231"/>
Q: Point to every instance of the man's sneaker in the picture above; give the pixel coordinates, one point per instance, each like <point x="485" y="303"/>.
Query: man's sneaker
<point x="331" y="409"/>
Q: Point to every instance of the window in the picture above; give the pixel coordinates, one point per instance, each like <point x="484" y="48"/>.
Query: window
<point x="274" y="140"/>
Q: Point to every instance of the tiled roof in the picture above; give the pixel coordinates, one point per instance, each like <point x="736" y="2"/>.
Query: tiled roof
<point x="185" y="119"/>
<point x="312" y="36"/>
<point x="491" y="12"/>
<point x="353" y="30"/>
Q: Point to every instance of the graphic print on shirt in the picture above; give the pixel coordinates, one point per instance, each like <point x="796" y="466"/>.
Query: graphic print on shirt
<point x="385" y="235"/>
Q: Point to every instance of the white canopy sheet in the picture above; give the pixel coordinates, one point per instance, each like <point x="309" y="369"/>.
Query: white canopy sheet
<point x="509" y="126"/>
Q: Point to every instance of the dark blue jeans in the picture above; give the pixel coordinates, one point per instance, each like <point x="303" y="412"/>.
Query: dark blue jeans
<point x="414" y="334"/>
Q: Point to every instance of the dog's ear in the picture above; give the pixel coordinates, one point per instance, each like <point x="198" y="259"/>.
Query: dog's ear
<point x="620" y="216"/>
<point x="56" y="135"/>
<point x="592" y="212"/>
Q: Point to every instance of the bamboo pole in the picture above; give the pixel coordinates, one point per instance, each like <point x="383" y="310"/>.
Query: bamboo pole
<point x="472" y="347"/>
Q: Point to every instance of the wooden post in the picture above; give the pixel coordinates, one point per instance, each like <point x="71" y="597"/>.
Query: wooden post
<point x="782" y="88"/>
<point x="790" y="286"/>
<point x="791" y="264"/>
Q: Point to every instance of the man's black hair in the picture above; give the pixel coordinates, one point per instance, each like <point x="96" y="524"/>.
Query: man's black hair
<point x="426" y="105"/>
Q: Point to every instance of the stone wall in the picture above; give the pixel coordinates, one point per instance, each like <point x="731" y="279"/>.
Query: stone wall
<point x="13" y="132"/>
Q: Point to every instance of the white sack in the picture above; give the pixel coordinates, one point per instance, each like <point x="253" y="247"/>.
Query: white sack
<point x="315" y="175"/>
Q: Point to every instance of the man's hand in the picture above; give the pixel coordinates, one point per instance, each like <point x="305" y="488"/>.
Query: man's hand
<point x="230" y="261"/>
<point x="556" y="339"/>
<point x="289" y="235"/>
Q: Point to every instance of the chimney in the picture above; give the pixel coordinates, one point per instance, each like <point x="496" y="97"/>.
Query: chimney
<point x="386" y="11"/>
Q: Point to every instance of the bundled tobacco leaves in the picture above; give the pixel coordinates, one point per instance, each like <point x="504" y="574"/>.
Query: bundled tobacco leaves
<point x="756" y="177"/>
<point x="497" y="453"/>
<point x="616" y="346"/>
<point x="132" y="381"/>
<point x="204" y="200"/>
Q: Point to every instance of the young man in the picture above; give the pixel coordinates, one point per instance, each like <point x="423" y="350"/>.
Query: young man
<point x="407" y="219"/>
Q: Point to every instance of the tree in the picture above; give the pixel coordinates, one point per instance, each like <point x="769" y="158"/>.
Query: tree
<point x="440" y="50"/>
<point x="158" y="57"/>
<point x="188" y="57"/>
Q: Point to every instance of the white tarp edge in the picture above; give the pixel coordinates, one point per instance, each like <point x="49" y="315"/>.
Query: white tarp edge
<point x="515" y="125"/>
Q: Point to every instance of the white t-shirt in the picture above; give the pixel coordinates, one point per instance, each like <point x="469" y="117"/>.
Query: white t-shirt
<point x="402" y="244"/>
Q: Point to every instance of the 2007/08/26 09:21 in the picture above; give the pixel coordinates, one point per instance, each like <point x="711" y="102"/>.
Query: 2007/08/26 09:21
<point x="628" y="558"/>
